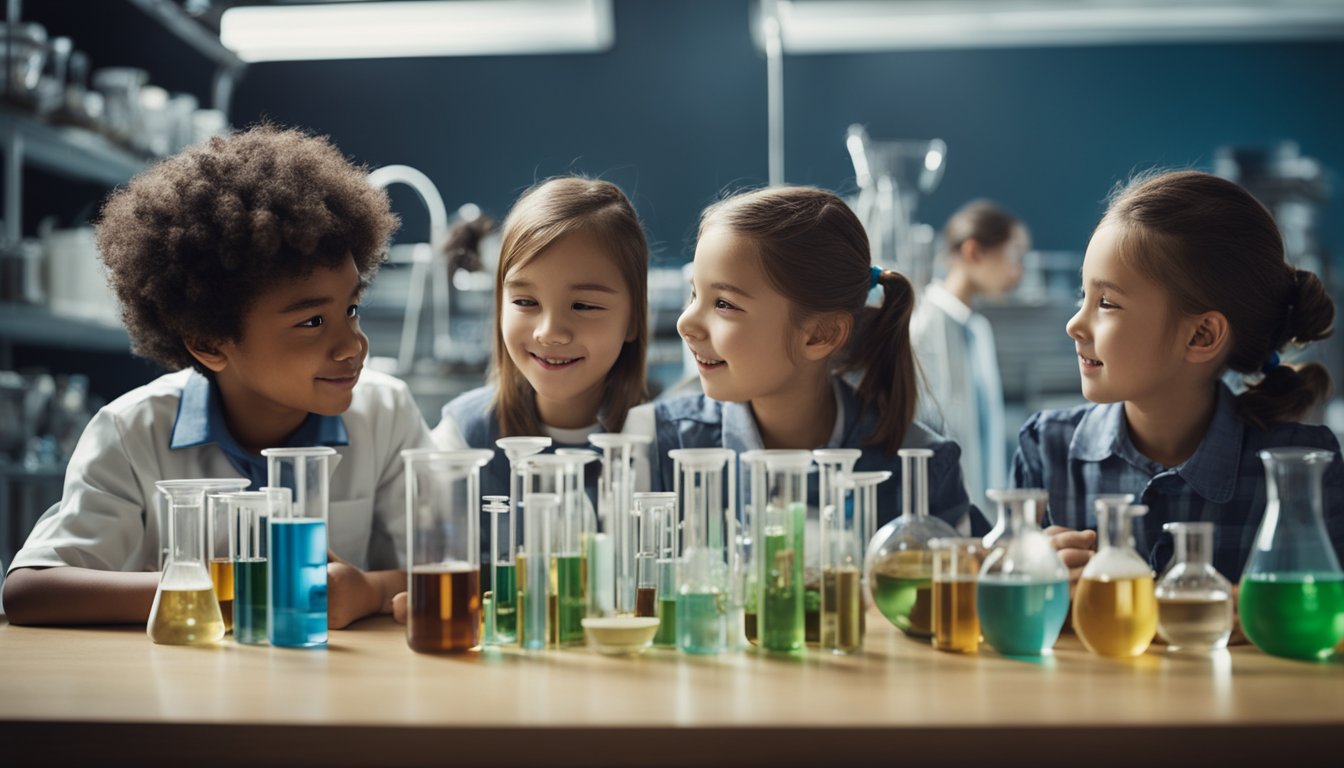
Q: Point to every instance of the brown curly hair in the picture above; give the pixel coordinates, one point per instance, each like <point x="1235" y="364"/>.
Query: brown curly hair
<point x="192" y="242"/>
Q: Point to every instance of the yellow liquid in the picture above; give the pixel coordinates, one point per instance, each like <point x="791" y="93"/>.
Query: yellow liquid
<point x="185" y="617"/>
<point x="1115" y="617"/>
<point x="956" y="626"/>
<point x="221" y="575"/>
<point x="842" y="619"/>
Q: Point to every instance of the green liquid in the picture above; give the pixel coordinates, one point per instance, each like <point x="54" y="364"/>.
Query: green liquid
<point x="506" y="604"/>
<point x="781" y="613"/>
<point x="702" y="626"/>
<point x="905" y="602"/>
<point x="249" y="601"/>
<point x="1295" y="615"/>
<point x="667" y="622"/>
<point x="570" y="608"/>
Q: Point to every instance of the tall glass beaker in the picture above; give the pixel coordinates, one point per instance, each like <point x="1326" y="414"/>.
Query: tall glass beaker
<point x="517" y="449"/>
<point x="562" y="474"/>
<point x="1292" y="591"/>
<point x="830" y="463"/>
<point x="220" y="543"/>
<point x="250" y="517"/>
<point x="899" y="564"/>
<point x="667" y="559"/>
<point x="849" y="507"/>
<point x="706" y="486"/>
<point x="956" y="569"/>
<point x="1022" y="597"/>
<point x="185" y="611"/>
<point x="615" y="504"/>
<point x="534" y="583"/>
<point x="297" y="607"/>
<point x="1194" y="601"/>
<point x="1115" y="609"/>
<point x="777" y="497"/>
<point x="443" y="574"/>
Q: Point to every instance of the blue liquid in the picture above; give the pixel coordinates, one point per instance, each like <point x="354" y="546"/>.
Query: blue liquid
<point x="249" y="601"/>
<point x="297" y="613"/>
<point x="1021" y="618"/>
<point x="702" y="622"/>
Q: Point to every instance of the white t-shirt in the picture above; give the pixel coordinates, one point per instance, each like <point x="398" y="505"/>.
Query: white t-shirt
<point x="106" y="517"/>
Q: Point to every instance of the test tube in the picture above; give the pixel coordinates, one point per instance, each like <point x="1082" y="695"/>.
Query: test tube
<point x="220" y="546"/>
<point x="702" y="477"/>
<point x="517" y="450"/>
<point x="571" y="532"/>
<point x="956" y="570"/>
<point x="535" y="583"/>
<point x="443" y="605"/>
<point x="651" y="513"/>
<point x="250" y="514"/>
<point x="777" y="494"/>
<point x="667" y="530"/>
<point x="832" y="462"/>
<point x="296" y="609"/>
<point x="501" y="607"/>
<point x="615" y="501"/>
<point x="853" y="503"/>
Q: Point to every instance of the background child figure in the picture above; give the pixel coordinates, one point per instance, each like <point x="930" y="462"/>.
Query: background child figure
<point x="241" y="261"/>
<point x="962" y="391"/>
<point x="1184" y="279"/>
<point x="777" y="316"/>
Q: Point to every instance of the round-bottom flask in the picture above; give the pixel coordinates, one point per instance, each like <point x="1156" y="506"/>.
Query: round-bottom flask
<point x="1194" y="601"/>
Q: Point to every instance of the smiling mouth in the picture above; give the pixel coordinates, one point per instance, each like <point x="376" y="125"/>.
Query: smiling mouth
<point x="555" y="362"/>
<point x="707" y="362"/>
<point x="1089" y="361"/>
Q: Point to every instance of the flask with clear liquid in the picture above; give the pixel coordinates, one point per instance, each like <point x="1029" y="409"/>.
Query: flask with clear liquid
<point x="1115" y="609"/>
<point x="899" y="563"/>
<point x="1291" y="599"/>
<point x="1194" y="601"/>
<point x="185" y="610"/>
<point x="1022" y="597"/>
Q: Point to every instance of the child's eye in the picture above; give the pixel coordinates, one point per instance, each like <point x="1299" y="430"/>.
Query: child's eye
<point x="524" y="303"/>
<point x="581" y="307"/>
<point x="352" y="310"/>
<point x="312" y="322"/>
<point x="721" y="304"/>
<point x="1104" y="304"/>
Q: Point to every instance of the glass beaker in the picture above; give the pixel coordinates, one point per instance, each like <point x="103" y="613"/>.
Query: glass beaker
<point x="185" y="611"/>
<point x="653" y="511"/>
<point x="1115" y="610"/>
<point x="956" y="568"/>
<point x="249" y="517"/>
<point x="443" y="550"/>
<point x="1194" y="601"/>
<point x="777" y="499"/>
<point x="500" y="604"/>
<point x="615" y="504"/>
<point x="1022" y="597"/>
<point x="851" y="503"/>
<point x="296" y="611"/>
<point x="898" y="562"/>
<point x="705" y="485"/>
<point x="534" y="584"/>
<point x="1292" y="591"/>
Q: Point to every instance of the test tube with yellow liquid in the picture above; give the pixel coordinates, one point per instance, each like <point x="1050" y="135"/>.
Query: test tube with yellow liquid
<point x="956" y="568"/>
<point x="1115" y="608"/>
<point x="221" y="544"/>
<point x="851" y="503"/>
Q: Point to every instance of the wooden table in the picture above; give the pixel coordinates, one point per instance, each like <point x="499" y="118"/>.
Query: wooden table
<point x="108" y="695"/>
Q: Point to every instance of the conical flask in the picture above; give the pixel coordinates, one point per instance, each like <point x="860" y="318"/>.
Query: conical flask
<point x="1194" y="601"/>
<point x="1115" y="610"/>
<point x="899" y="563"/>
<point x="1022" y="597"/>
<point x="185" y="611"/>
<point x="1292" y="592"/>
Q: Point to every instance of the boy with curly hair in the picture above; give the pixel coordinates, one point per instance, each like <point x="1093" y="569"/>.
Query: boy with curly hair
<point x="240" y="263"/>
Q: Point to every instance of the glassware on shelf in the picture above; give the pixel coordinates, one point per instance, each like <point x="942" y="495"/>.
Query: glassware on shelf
<point x="1194" y="601"/>
<point x="899" y="563"/>
<point x="1022" y="598"/>
<point x="956" y="568"/>
<point x="443" y="551"/>
<point x="297" y="603"/>
<point x="777" y="508"/>
<point x="849" y="506"/>
<point x="1291" y="600"/>
<point x="1115" y="609"/>
<point x="705" y="484"/>
<point x="185" y="611"/>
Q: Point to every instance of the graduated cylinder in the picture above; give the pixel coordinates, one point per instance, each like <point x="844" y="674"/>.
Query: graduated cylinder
<point x="777" y="500"/>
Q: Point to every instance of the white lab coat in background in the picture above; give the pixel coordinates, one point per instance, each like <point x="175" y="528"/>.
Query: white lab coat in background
<point x="963" y="392"/>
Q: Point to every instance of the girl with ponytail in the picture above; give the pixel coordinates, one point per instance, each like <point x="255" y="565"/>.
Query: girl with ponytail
<point x="778" y="315"/>
<point x="1184" y="280"/>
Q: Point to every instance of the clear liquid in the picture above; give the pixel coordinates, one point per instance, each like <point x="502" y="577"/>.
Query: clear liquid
<point x="1294" y="615"/>
<point x="185" y="617"/>
<point x="249" y="604"/>
<point x="1021" y="618"/>
<point x="842" y="615"/>
<point x="298" y="581"/>
<point x="1115" y="617"/>
<point x="221" y="577"/>
<point x="902" y="588"/>
<point x="702" y="622"/>
<point x="1196" y="623"/>
<point x="444" y="609"/>
<point x="956" y="626"/>
<point x="780" y="618"/>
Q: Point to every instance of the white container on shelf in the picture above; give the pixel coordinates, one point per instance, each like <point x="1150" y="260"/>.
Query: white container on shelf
<point x="76" y="279"/>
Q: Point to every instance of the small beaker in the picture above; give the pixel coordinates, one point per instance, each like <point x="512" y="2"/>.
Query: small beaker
<point x="249" y="516"/>
<point x="956" y="569"/>
<point x="296" y="611"/>
<point x="706" y="487"/>
<point x="1194" y="601"/>
<point x="850" y="506"/>
<point x="443" y="593"/>
<point x="777" y="500"/>
<point x="185" y="611"/>
<point x="1115" y="610"/>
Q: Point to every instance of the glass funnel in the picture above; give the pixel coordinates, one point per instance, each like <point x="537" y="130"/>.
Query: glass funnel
<point x="1022" y="597"/>
<point x="1292" y="591"/>
<point x="1194" y="601"/>
<point x="1115" y="610"/>
<point x="185" y="611"/>
<point x="851" y="502"/>
<point x="705" y="484"/>
<point x="776" y="505"/>
<point x="615" y="504"/>
<point x="899" y="563"/>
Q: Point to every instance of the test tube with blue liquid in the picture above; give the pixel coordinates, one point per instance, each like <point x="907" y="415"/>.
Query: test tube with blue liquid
<point x="706" y="486"/>
<point x="297" y="575"/>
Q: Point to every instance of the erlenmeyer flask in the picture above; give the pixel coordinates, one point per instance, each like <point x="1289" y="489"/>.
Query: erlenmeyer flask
<point x="899" y="563"/>
<point x="1194" y="601"/>
<point x="1022" y="597"/>
<point x="1292" y="591"/>
<point x="185" y="611"/>
<point x="1115" y="610"/>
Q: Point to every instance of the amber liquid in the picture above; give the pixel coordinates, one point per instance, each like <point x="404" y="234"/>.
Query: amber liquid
<point x="185" y="617"/>
<point x="1115" y="617"/>
<point x="445" y="609"/>
<point x="221" y="575"/>
<point x="956" y="626"/>
<point x="646" y="602"/>
<point x="842" y="614"/>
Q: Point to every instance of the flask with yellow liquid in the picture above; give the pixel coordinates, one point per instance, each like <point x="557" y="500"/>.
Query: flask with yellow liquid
<point x="1115" y="609"/>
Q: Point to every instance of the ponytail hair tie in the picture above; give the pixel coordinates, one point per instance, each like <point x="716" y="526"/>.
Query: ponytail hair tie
<point x="875" y="277"/>
<point x="1271" y="363"/>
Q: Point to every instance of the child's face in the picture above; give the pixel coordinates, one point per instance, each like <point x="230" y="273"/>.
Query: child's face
<point x="565" y="317"/>
<point x="301" y="349"/>
<point x="1128" y="348"/>
<point x="998" y="269"/>
<point x="736" y="324"/>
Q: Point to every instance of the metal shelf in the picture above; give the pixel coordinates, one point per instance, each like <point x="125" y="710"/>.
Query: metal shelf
<point x="75" y="153"/>
<point x="187" y="29"/>
<point x="37" y="325"/>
